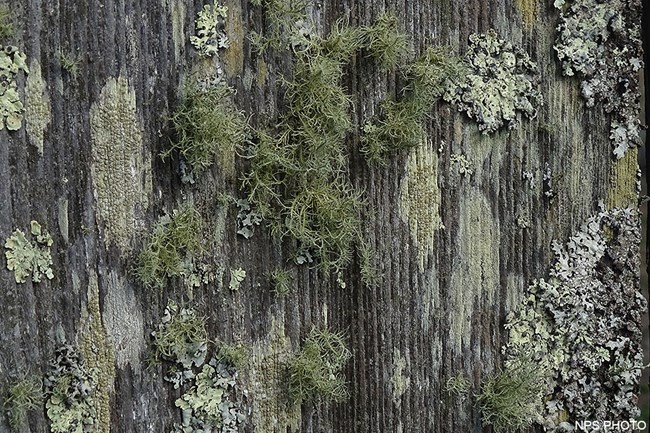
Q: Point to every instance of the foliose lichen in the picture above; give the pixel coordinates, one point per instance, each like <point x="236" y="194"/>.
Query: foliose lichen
<point x="210" y="36"/>
<point x="236" y="277"/>
<point x="247" y="218"/>
<point x="600" y="41"/>
<point x="70" y="391"/>
<point x="584" y="324"/>
<point x="25" y="257"/>
<point x="12" y="61"/>
<point x="501" y="85"/>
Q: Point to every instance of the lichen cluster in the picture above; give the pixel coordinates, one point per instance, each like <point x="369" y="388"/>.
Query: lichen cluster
<point x="210" y="36"/>
<point x="70" y="391"/>
<point x="501" y="85"/>
<point x="600" y="41"/>
<point x="12" y="61"/>
<point x="23" y="395"/>
<point x="583" y="324"/>
<point x="25" y="257"/>
<point x="212" y="402"/>
<point x="237" y="276"/>
<point x="247" y="218"/>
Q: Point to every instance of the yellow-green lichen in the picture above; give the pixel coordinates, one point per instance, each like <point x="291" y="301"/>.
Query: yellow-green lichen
<point x="23" y="395"/>
<point x="120" y="168"/>
<point x="399" y="380"/>
<point x="419" y="203"/>
<point x="622" y="191"/>
<point x="25" y="257"/>
<point x="38" y="110"/>
<point x="234" y="55"/>
<point x="236" y="278"/>
<point x="12" y="61"/>
<point x="529" y="10"/>
<point x="266" y="380"/>
<point x="98" y="356"/>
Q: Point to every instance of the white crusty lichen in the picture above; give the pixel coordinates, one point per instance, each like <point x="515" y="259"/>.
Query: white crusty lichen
<point x="501" y="84"/>
<point x="25" y="257"/>
<point x="12" y="61"/>
<point x="210" y="37"/>
<point x="600" y="41"/>
<point x="584" y="323"/>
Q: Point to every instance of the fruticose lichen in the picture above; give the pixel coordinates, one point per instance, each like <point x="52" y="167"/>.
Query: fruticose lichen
<point x="210" y="36"/>
<point x="12" y="61"/>
<point x="600" y="41"/>
<point x="38" y="110"/>
<point x="70" y="390"/>
<point x="25" y="257"/>
<point x="501" y="85"/>
<point x="457" y="385"/>
<point x="583" y="324"/>
<point x="23" y="395"/>
<point x="120" y="169"/>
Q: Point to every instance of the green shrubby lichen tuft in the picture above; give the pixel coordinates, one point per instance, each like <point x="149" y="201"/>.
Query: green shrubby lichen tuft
<point x="601" y="42"/>
<point x="457" y="385"/>
<point x="513" y="399"/>
<point x="281" y="282"/>
<point x="12" y="61"/>
<point x="209" y="129"/>
<point x="316" y="372"/>
<point x="210" y="37"/>
<point x="70" y="387"/>
<point x="583" y="325"/>
<point x="502" y="83"/>
<point x="174" y="242"/>
<point x="284" y="20"/>
<point x="22" y="396"/>
<point x="386" y="43"/>
<point x="25" y="257"/>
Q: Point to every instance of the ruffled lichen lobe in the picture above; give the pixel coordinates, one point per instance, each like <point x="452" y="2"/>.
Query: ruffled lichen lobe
<point x="584" y="323"/>
<point x="501" y="85"/>
<point x="600" y="42"/>
<point x="120" y="169"/>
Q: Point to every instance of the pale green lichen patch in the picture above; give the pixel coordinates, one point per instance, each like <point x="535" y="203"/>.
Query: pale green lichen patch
<point x="22" y="396"/>
<point x="265" y="381"/>
<point x="38" y="110"/>
<point x="237" y="276"/>
<point x="419" y="203"/>
<point x="12" y="61"/>
<point x="584" y="323"/>
<point x="177" y="11"/>
<point x="400" y="381"/>
<point x="70" y="388"/>
<point x="601" y="42"/>
<point x="501" y="86"/>
<point x="27" y="258"/>
<point x="120" y="170"/>
<point x="210" y="37"/>
<point x="99" y="357"/>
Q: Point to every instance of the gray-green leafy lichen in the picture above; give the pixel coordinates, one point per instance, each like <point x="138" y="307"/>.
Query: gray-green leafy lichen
<point x="70" y="387"/>
<point x="210" y="37"/>
<point x="600" y="42"/>
<point x="583" y="324"/>
<point x="25" y="257"/>
<point x="12" y="61"/>
<point x="247" y="218"/>
<point x="502" y="83"/>
<point x="237" y="276"/>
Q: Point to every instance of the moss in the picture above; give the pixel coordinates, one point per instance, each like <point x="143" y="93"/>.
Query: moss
<point x="23" y="395"/>
<point x="25" y="257"/>
<point x="209" y="128"/>
<point x="512" y="400"/>
<point x="12" y="61"/>
<point x="420" y="199"/>
<point x="399" y="380"/>
<point x="235" y="354"/>
<point x="316" y="372"/>
<point x="38" y="110"/>
<point x="99" y="358"/>
<point x="174" y="241"/>
<point x="120" y="170"/>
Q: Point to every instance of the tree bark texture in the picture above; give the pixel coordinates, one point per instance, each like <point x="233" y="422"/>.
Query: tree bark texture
<point x="86" y="166"/>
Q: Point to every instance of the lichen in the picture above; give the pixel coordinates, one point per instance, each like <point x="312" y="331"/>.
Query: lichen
<point x="120" y="170"/>
<point x="23" y="395"/>
<point x="420" y="199"/>
<point x="247" y="218"/>
<point x="70" y="390"/>
<point x="12" y="61"/>
<point x="601" y="43"/>
<point x="501" y="86"/>
<point x="584" y="323"/>
<point x="464" y="167"/>
<point x="458" y="385"/>
<point x="529" y="10"/>
<point x="25" y="257"/>
<point x="97" y="352"/>
<point x="210" y="37"/>
<point x="400" y="381"/>
<point x="237" y="276"/>
<point x="38" y="110"/>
